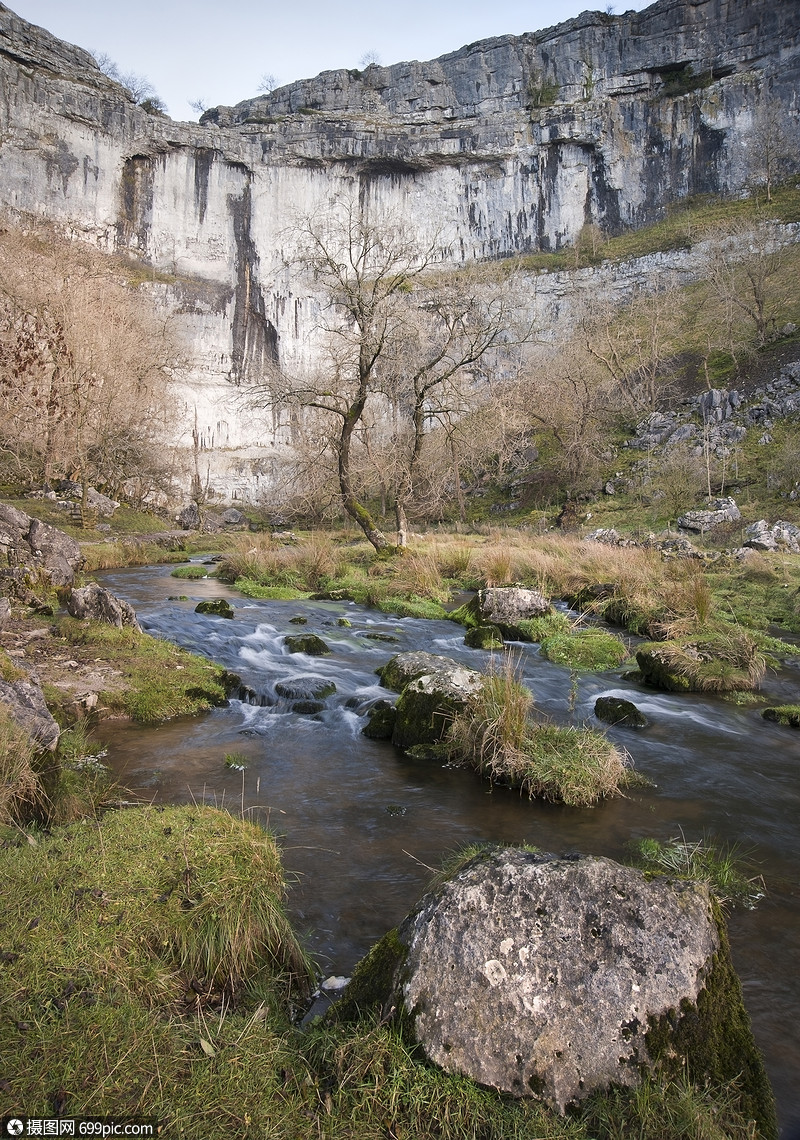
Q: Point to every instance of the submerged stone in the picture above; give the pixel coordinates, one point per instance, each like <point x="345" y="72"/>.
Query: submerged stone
<point x="305" y="688"/>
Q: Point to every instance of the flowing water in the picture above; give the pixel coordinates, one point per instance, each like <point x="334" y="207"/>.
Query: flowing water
<point x="361" y="825"/>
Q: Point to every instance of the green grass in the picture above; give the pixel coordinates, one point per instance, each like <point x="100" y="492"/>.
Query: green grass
<point x="193" y="573"/>
<point x="721" y="866"/>
<point x="160" y="680"/>
<point x="252" y="589"/>
<point x="788" y="715"/>
<point x="591" y="649"/>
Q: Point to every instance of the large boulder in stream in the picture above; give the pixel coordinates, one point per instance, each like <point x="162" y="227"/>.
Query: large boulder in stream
<point x="553" y="978"/>
<point x="432" y="690"/>
<point x="503" y="608"/>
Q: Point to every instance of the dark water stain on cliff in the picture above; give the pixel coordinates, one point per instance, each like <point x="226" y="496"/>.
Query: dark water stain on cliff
<point x="136" y="188"/>
<point x="203" y="161"/>
<point x="255" y="338"/>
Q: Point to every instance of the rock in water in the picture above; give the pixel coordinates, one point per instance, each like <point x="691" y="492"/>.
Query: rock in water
<point x="506" y="606"/>
<point x="616" y="710"/>
<point x="556" y="977"/>
<point x="218" y="607"/>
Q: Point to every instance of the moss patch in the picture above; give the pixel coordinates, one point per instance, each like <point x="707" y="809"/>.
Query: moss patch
<point x="784" y="714"/>
<point x="715" y="1037"/>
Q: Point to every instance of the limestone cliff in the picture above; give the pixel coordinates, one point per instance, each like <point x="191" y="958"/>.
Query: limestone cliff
<point x="505" y="146"/>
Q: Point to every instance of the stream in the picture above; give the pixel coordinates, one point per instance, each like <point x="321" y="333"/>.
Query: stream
<point x="361" y="826"/>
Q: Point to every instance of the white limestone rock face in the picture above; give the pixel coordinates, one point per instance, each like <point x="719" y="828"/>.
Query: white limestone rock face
<point x="458" y="149"/>
<point x="536" y="975"/>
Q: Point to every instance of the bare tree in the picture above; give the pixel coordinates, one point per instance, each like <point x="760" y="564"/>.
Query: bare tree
<point x="772" y="146"/>
<point x="745" y="272"/>
<point x="360" y="264"/>
<point x="461" y="322"/>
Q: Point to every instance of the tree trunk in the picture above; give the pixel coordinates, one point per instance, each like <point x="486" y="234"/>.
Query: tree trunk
<point x="402" y="524"/>
<point x="357" y="512"/>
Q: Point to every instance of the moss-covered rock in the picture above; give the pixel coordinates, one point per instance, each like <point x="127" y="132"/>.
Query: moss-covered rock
<point x="616" y="710"/>
<point x="484" y="637"/>
<point x="783" y="714"/>
<point x="492" y="973"/>
<point x="427" y="705"/>
<point x="305" y="688"/>
<point x="307" y="643"/>
<point x="217" y="606"/>
<point x="406" y="667"/>
<point x="719" y="661"/>
<point x="380" y="721"/>
<point x="711" y="1039"/>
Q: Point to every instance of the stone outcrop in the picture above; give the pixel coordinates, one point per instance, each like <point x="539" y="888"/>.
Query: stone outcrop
<point x="37" y="547"/>
<point x="719" y="512"/>
<point x="516" y="142"/>
<point x="95" y="603"/>
<point x="556" y="977"/>
<point x="25" y="704"/>
<point x="781" y="535"/>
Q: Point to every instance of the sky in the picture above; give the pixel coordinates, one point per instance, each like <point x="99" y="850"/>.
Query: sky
<point x="217" y="52"/>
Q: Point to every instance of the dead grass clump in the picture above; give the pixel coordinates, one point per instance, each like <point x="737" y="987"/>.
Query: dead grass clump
<point x="21" y="790"/>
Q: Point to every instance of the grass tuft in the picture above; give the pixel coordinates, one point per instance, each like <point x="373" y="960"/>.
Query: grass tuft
<point x="721" y="866"/>
<point x="574" y="766"/>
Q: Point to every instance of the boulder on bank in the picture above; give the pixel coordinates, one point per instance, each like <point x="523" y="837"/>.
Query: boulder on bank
<point x="94" y="603"/>
<point x="556" y="977"/>
<point x="506" y="606"/>
<point x="38" y="547"/>
<point x="25" y="704"/>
